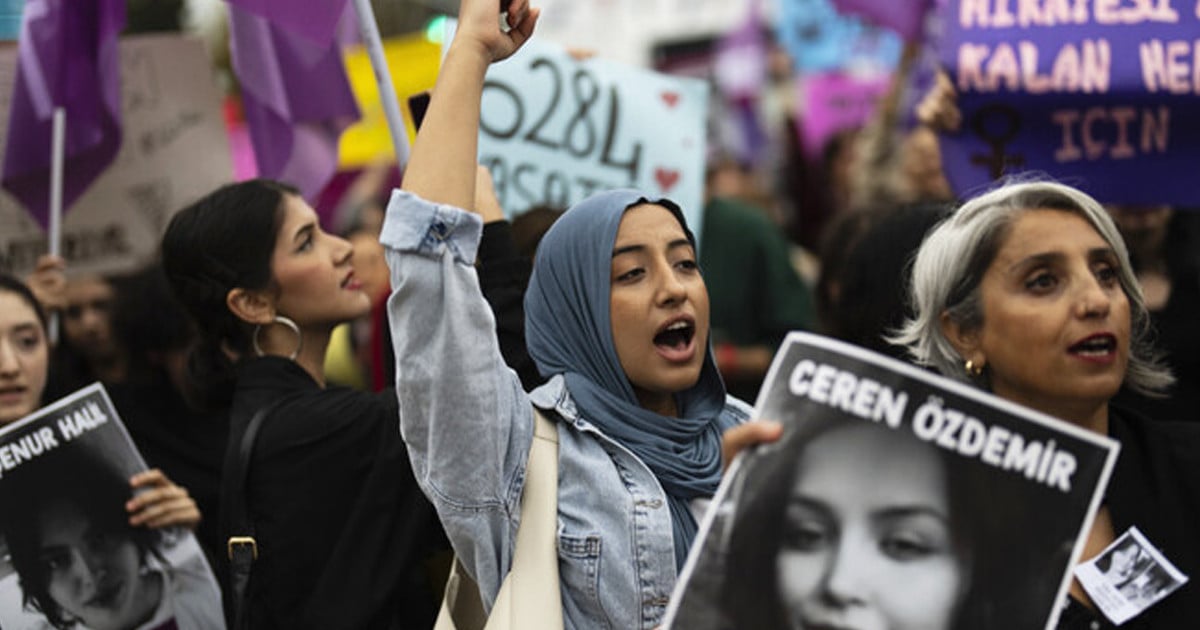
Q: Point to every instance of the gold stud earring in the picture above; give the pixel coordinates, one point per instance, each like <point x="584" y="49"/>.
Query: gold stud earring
<point x="973" y="369"/>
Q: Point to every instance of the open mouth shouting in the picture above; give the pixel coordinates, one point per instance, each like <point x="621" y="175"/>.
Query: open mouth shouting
<point x="675" y="340"/>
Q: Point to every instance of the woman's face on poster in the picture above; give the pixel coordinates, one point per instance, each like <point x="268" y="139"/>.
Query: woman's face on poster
<point x="1123" y="561"/>
<point x="93" y="575"/>
<point x="867" y="543"/>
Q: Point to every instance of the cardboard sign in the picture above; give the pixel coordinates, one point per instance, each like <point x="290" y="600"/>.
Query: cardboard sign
<point x="1100" y="95"/>
<point x="174" y="150"/>
<point x="893" y="494"/>
<point x="64" y="481"/>
<point x="554" y="130"/>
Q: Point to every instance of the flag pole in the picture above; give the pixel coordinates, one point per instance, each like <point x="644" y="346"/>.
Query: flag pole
<point x="369" y="30"/>
<point x="58" y="137"/>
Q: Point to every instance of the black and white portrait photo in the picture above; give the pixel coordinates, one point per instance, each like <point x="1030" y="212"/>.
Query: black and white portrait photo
<point x="73" y="559"/>
<point x="891" y="501"/>
<point x="1128" y="577"/>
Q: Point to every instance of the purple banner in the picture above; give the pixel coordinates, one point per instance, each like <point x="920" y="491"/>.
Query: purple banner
<point x="833" y="102"/>
<point x="906" y="17"/>
<point x="1099" y="95"/>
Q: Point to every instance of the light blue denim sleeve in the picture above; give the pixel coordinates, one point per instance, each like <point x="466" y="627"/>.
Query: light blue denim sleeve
<point x="463" y="415"/>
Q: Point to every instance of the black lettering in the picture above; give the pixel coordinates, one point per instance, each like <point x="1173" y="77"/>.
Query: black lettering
<point x="535" y="133"/>
<point x="633" y="164"/>
<point x="486" y="126"/>
<point x="586" y="91"/>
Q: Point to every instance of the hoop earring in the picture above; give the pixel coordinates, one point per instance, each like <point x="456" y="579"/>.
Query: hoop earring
<point x="973" y="369"/>
<point x="279" y="319"/>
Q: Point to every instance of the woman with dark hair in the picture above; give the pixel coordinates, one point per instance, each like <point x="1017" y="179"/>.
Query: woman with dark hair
<point x="24" y="350"/>
<point x="159" y="503"/>
<point x="617" y="320"/>
<point x="854" y="526"/>
<point x="344" y="535"/>
<point x="1027" y="291"/>
<point x="1122" y="562"/>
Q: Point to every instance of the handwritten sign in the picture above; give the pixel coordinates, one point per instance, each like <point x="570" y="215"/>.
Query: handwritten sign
<point x="1100" y="95"/>
<point x="174" y="150"/>
<point x="555" y="130"/>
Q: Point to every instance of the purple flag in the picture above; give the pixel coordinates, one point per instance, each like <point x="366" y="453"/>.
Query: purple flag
<point x="740" y="71"/>
<point x="316" y="20"/>
<point x="906" y="17"/>
<point x="67" y="57"/>
<point x="835" y="101"/>
<point x="296" y="99"/>
<point x="740" y="64"/>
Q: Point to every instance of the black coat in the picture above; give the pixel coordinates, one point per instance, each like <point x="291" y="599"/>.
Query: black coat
<point x="345" y="537"/>
<point x="1155" y="486"/>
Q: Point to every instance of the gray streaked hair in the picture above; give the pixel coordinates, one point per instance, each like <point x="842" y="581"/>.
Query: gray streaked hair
<point x="950" y="265"/>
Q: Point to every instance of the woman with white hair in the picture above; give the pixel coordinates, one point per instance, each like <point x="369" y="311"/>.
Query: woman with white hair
<point x="1027" y="291"/>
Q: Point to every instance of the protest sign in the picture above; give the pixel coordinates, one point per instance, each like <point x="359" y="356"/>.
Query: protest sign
<point x="413" y="61"/>
<point x="554" y="130"/>
<point x="1098" y="95"/>
<point x="10" y="18"/>
<point x="64" y="481"/>
<point x="174" y="150"/>
<point x="906" y="17"/>
<point x="818" y="39"/>
<point x="833" y="102"/>
<point x="931" y="503"/>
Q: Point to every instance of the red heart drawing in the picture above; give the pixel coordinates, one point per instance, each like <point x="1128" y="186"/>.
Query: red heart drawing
<point x="670" y="98"/>
<point x="666" y="178"/>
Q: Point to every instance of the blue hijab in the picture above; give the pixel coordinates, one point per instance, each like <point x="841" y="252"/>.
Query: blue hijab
<point x="568" y="331"/>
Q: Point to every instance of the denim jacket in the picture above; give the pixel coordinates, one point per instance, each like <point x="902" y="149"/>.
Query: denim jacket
<point x="468" y="426"/>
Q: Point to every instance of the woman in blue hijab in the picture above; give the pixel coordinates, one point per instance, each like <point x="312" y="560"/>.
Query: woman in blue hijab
<point x="616" y="319"/>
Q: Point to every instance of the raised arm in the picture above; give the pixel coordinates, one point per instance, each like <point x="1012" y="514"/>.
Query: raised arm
<point x="463" y="414"/>
<point x="441" y="168"/>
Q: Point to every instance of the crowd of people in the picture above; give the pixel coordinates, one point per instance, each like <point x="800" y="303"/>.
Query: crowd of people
<point x="397" y="413"/>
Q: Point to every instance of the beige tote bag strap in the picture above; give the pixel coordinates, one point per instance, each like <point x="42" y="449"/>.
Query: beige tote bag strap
<point x="530" y="596"/>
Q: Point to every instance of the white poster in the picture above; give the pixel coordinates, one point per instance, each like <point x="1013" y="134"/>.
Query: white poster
<point x="894" y="499"/>
<point x="174" y="150"/>
<point x="72" y="558"/>
<point x="555" y="130"/>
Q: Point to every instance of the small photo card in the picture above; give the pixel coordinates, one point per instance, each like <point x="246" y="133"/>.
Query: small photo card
<point x="1129" y="576"/>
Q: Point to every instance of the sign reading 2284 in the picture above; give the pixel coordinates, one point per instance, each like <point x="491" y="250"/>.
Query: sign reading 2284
<point x="555" y="130"/>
